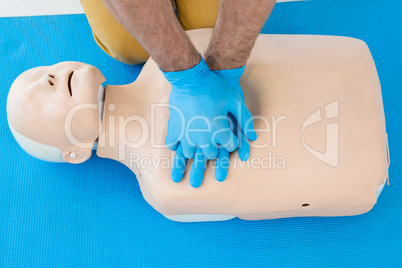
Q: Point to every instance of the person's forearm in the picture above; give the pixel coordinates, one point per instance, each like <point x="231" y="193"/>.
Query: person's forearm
<point x="237" y="26"/>
<point x="155" y="26"/>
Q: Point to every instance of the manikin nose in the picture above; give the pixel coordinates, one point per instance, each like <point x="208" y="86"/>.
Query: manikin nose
<point x="51" y="79"/>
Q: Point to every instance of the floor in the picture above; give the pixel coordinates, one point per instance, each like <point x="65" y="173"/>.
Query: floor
<point x="94" y="215"/>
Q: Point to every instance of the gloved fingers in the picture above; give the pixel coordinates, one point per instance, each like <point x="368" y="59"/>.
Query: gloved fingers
<point x="232" y="122"/>
<point x="244" y="118"/>
<point x="179" y="165"/>
<point x="227" y="139"/>
<point x="172" y="136"/>
<point x="172" y="145"/>
<point x="222" y="165"/>
<point x="188" y="150"/>
<point x="244" y="147"/>
<point x="210" y="151"/>
<point x="197" y="169"/>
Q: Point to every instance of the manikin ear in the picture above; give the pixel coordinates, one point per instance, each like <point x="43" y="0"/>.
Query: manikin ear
<point x="77" y="155"/>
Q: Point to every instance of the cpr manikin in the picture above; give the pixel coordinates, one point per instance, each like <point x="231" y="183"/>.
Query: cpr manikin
<point x="321" y="148"/>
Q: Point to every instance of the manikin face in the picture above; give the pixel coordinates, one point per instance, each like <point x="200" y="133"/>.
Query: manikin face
<point x="58" y="106"/>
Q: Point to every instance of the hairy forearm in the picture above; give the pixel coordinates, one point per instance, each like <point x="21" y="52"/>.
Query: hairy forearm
<point x="237" y="26"/>
<point x="155" y="26"/>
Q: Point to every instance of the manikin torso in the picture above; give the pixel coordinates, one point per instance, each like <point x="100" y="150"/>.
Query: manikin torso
<point x="322" y="150"/>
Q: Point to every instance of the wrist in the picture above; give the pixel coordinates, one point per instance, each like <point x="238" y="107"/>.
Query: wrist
<point x="187" y="76"/>
<point x="231" y="73"/>
<point x="182" y="57"/>
<point x="217" y="59"/>
<point x="232" y="77"/>
<point x="179" y="61"/>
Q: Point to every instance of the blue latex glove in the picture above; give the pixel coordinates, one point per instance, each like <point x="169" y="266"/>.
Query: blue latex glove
<point x="199" y="103"/>
<point x="232" y="77"/>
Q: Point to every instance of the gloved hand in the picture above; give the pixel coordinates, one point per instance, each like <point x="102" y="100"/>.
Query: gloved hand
<point x="232" y="77"/>
<point x="199" y="103"/>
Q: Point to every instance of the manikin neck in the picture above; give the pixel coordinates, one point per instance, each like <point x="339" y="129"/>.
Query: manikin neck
<point x="101" y="100"/>
<point x="101" y="104"/>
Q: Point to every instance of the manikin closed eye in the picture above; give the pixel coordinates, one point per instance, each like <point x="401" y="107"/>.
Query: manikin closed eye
<point x="69" y="83"/>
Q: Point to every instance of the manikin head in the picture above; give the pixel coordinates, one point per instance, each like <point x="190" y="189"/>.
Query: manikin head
<point x="53" y="111"/>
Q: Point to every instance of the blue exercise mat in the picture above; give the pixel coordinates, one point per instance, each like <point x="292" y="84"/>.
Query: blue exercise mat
<point x="93" y="214"/>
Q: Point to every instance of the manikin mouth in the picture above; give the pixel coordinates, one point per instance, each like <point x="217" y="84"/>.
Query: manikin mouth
<point x="69" y="83"/>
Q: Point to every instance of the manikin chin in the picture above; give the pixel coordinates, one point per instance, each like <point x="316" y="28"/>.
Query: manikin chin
<point x="62" y="113"/>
